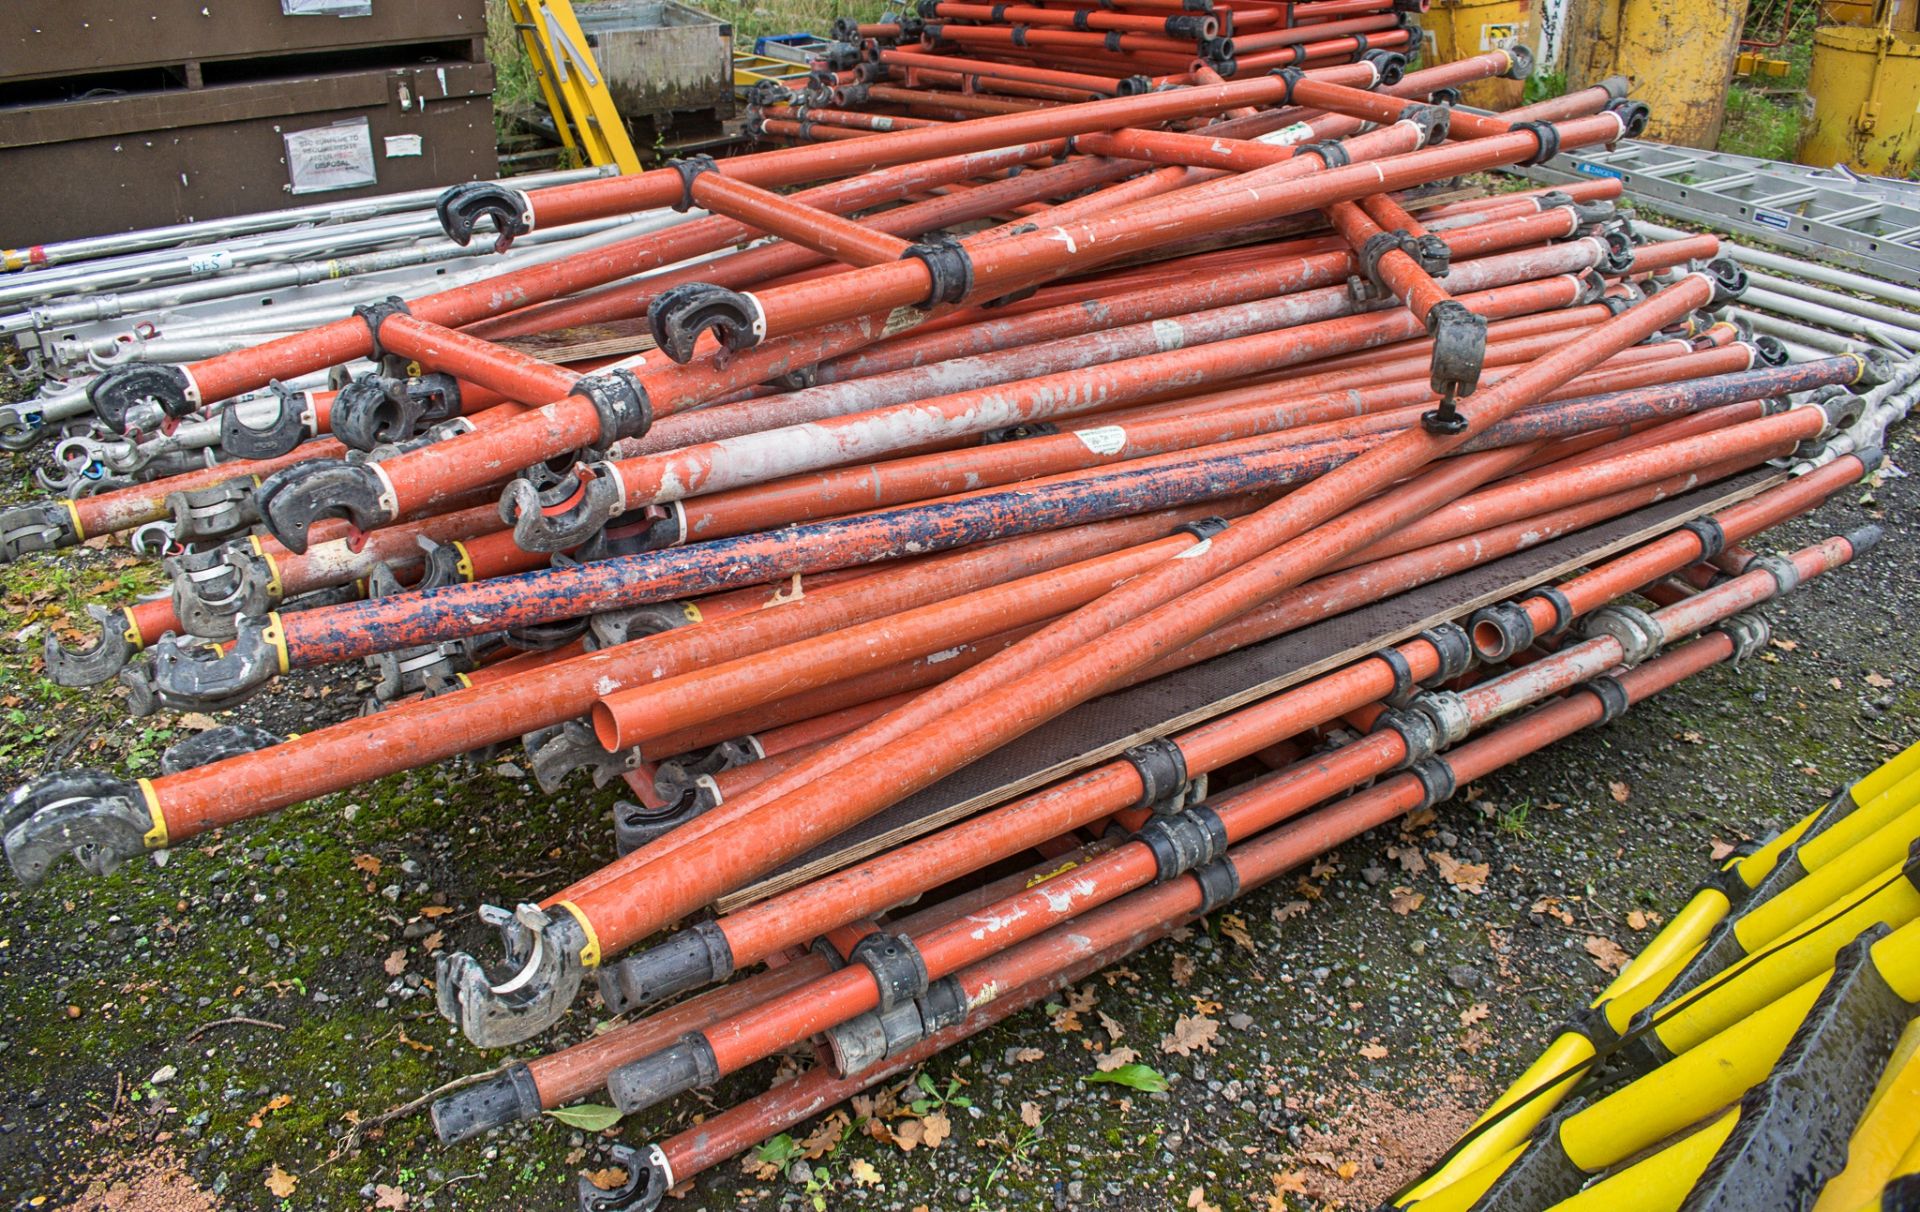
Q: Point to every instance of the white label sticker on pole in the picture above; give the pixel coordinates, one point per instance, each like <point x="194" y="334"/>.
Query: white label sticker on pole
<point x="1105" y="440"/>
<point x="1286" y="136"/>
<point x="403" y="145"/>
<point x="330" y="157"/>
<point x="326" y="8"/>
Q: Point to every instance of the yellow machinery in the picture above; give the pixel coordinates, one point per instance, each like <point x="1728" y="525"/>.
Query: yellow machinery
<point x="1865" y="89"/>
<point x="1457" y="29"/>
<point x="1678" y="53"/>
<point x="571" y="84"/>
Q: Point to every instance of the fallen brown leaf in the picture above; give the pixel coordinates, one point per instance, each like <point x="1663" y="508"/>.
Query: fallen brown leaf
<point x="1608" y="954"/>
<point x="1474" y="1013"/>
<point x="1405" y="900"/>
<point x="1374" y="1051"/>
<point x="1620" y="792"/>
<point x="280" y="1182"/>
<point x="1191" y="1032"/>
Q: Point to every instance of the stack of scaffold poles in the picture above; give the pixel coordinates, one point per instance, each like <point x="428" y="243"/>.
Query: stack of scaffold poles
<point x="979" y="499"/>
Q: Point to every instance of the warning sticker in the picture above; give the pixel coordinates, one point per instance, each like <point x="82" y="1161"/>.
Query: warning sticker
<point x="330" y="157"/>
<point x="1499" y="35"/>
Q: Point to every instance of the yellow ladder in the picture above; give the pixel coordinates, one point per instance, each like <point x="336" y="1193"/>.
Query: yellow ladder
<point x="570" y="83"/>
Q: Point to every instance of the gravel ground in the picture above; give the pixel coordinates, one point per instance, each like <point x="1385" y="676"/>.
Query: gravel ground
<point x="233" y="1028"/>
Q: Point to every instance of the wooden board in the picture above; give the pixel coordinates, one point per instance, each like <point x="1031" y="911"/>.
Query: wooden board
<point x="1098" y="730"/>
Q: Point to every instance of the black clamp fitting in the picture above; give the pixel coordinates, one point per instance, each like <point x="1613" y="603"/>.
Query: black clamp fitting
<point x="1562" y="608"/>
<point x="1135" y="86"/>
<point x="1291" y="76"/>
<point x="1218" y="52"/>
<point x="1519" y="62"/>
<point x="1749" y="633"/>
<point x="1191" y="26"/>
<point x="679" y="315"/>
<point x="1546" y="136"/>
<point x="620" y="401"/>
<point x="1219" y="883"/>
<point x="1863" y="539"/>
<point x="690" y="167"/>
<point x="611" y="628"/>
<point x="899" y="971"/>
<point x="211" y="586"/>
<point x="1712" y="536"/>
<point x="1202" y="528"/>
<point x="216" y="745"/>
<point x="1841" y="406"/>
<point x="1417" y="733"/>
<point x="1786" y="575"/>
<point x="97" y="662"/>
<point x="1612" y="696"/>
<point x="595" y="491"/>
<point x="696" y="956"/>
<point x="1163" y="774"/>
<point x="190" y="676"/>
<point x="1459" y="354"/>
<point x="1404" y="687"/>
<point x="1018" y="35"/>
<point x="1633" y="115"/>
<point x="1435" y="122"/>
<point x="1362" y="293"/>
<point x="1638" y="633"/>
<point x="1452" y="722"/>
<point x="867" y="1039"/>
<point x="41" y="526"/>
<point x="1770" y="351"/>
<point x="1455" y="647"/>
<point x="841" y="56"/>
<point x="287" y="429"/>
<point x="376" y="314"/>
<point x="461" y="208"/>
<point x="1332" y="152"/>
<point x="292" y="499"/>
<point x="1437" y="783"/>
<point x="1510" y="625"/>
<point x="376" y="410"/>
<point x="1729" y="281"/>
<point x="949" y="266"/>
<point x="1619" y="255"/>
<point x="556" y="752"/>
<point x="98" y="819"/>
<point x="637" y="825"/>
<point x="119" y="390"/>
<point x="1390" y="66"/>
<point x="204" y="515"/>
<point x="1183" y="841"/>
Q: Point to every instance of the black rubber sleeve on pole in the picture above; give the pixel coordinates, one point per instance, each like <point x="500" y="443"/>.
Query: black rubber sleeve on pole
<point x="1183" y="841"/>
<point x="1404" y="687"/>
<point x="620" y="401"/>
<point x="1202" y="528"/>
<point x="1163" y="773"/>
<point x="1219" y="883"/>
<point x="1612" y="696"/>
<point x="652" y="1080"/>
<point x="689" y="168"/>
<point x="1547" y="135"/>
<point x="505" y="1099"/>
<point x="1712" y="536"/>
<point x="1562" y="608"/>
<point x="949" y="266"/>
<point x="1332" y="152"/>
<point x="1292" y="76"/>
<point x="1455" y="647"/>
<point x="1437" y="781"/>
<point x="898" y="969"/>
<point x="376" y="314"/>
<point x="692" y="958"/>
<point x="1511" y="622"/>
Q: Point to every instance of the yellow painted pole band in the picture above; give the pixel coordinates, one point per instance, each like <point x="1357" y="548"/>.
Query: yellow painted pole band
<point x="73" y="515"/>
<point x="465" y="566"/>
<point x="1683" y="934"/>
<point x="1693" y="1085"/>
<point x="1659" y="1183"/>
<point x="1726" y="1000"/>
<point x="1888" y="1128"/>
<point x="589" y="954"/>
<point x="156" y="838"/>
<point x="1811" y="896"/>
<point x="693" y="612"/>
<point x="1902" y="766"/>
<point x="1863" y="820"/>
<point x="1556" y="1068"/>
<point x="1464" y="1192"/>
<point x="277" y="637"/>
<point x="131" y="633"/>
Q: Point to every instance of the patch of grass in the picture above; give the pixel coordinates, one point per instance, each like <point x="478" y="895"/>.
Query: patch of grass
<point x="1760" y="125"/>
